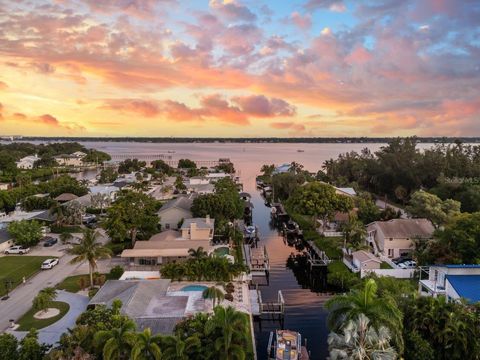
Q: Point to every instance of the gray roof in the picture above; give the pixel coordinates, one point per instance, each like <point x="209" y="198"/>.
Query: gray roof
<point x="181" y="202"/>
<point x="146" y="302"/>
<point x="404" y="228"/>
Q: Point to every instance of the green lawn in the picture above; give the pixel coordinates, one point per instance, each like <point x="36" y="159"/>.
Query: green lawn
<point x="27" y="321"/>
<point x="72" y="283"/>
<point x="16" y="267"/>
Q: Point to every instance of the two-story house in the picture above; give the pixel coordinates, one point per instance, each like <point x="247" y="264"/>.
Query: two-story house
<point x="172" y="245"/>
<point x="394" y="238"/>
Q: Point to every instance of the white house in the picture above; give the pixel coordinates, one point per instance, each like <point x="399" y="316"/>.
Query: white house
<point x="27" y="162"/>
<point x="74" y="159"/>
<point x="453" y="281"/>
<point x="175" y="211"/>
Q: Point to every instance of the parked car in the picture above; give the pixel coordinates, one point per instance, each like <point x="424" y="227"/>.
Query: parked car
<point x="17" y="250"/>
<point x="49" y="263"/>
<point x="49" y="241"/>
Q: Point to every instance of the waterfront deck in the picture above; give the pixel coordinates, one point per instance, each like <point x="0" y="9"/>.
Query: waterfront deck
<point x="271" y="308"/>
<point x="257" y="260"/>
<point x="316" y="257"/>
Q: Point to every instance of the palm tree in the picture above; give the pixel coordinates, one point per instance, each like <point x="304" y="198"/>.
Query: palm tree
<point x="177" y="348"/>
<point x="89" y="250"/>
<point x="213" y="293"/>
<point x="146" y="346"/>
<point x="57" y="211"/>
<point x="380" y="311"/>
<point x="231" y="329"/>
<point x="197" y="254"/>
<point x="354" y="232"/>
<point x="44" y="298"/>
<point x="117" y="342"/>
<point x="65" y="237"/>
<point x="360" y="341"/>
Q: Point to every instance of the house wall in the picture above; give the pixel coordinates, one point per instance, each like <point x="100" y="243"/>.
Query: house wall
<point x="170" y="218"/>
<point x="396" y="273"/>
<point x="393" y="247"/>
<point x="369" y="264"/>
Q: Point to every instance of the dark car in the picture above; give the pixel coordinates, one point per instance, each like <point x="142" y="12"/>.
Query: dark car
<point x="50" y="241"/>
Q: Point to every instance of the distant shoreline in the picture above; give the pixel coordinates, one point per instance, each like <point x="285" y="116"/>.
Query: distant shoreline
<point x="316" y="140"/>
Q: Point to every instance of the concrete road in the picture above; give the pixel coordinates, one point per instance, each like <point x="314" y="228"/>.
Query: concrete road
<point x="21" y="298"/>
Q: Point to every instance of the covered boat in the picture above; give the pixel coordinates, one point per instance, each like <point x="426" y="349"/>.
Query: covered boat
<point x="286" y="345"/>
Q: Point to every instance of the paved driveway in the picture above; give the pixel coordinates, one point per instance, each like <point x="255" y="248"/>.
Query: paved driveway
<point x="51" y="334"/>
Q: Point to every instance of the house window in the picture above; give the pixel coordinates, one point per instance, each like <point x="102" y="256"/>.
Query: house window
<point x="390" y="252"/>
<point x="147" y="261"/>
<point x="391" y="239"/>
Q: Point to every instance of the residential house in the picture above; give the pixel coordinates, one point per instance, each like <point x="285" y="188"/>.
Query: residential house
<point x="201" y="189"/>
<point x="74" y="159"/>
<point x="147" y="302"/>
<point x="27" y="162"/>
<point x="394" y="238"/>
<point x="452" y="281"/>
<point x="65" y="197"/>
<point x="174" y="211"/>
<point x="172" y="245"/>
<point x="198" y="180"/>
<point x="346" y="191"/>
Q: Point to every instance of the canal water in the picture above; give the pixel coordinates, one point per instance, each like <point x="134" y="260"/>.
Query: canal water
<point x="301" y="290"/>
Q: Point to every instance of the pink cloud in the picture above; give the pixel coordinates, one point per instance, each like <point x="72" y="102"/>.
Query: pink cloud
<point x="143" y="107"/>
<point x="261" y="106"/>
<point x="232" y="10"/>
<point x="303" y="22"/>
<point x="3" y="86"/>
<point x="48" y="120"/>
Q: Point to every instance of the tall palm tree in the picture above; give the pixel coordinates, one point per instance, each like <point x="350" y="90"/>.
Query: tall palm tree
<point x="146" y="346"/>
<point x="44" y="298"/>
<point x="116" y="343"/>
<point x="380" y="311"/>
<point x="89" y="250"/>
<point x="198" y="254"/>
<point x="231" y="327"/>
<point x="360" y="341"/>
<point x="213" y="293"/>
<point x="177" y="348"/>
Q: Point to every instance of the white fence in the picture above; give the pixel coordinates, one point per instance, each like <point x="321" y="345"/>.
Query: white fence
<point x="396" y="273"/>
<point x="332" y="233"/>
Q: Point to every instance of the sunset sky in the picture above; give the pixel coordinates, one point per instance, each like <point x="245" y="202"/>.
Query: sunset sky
<point x="240" y="68"/>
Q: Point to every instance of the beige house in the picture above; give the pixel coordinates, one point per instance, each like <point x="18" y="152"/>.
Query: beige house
<point x="174" y="211"/>
<point x="365" y="260"/>
<point x="172" y="245"/>
<point x="394" y="238"/>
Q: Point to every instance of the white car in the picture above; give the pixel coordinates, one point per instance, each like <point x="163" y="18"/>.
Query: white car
<point x="49" y="263"/>
<point x="17" y="250"/>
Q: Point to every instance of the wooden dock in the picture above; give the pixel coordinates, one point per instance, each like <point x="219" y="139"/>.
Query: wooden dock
<point x="271" y="308"/>
<point x="316" y="257"/>
<point x="257" y="260"/>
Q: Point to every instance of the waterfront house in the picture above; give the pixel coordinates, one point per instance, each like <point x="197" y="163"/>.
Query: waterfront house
<point x="172" y="245"/>
<point x="146" y="302"/>
<point x="174" y="211"/>
<point x="75" y="159"/>
<point x="452" y="281"/>
<point x="201" y="189"/>
<point x="27" y="162"/>
<point x="394" y="238"/>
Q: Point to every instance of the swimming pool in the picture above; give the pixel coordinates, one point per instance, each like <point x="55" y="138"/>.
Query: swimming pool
<point x="222" y="251"/>
<point x="194" y="288"/>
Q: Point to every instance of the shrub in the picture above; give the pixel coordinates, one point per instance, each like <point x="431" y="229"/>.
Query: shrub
<point x="116" y="272"/>
<point x="229" y="297"/>
<point x="92" y="292"/>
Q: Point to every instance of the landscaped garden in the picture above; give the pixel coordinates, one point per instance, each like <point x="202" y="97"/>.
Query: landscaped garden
<point x="28" y="320"/>
<point x="15" y="268"/>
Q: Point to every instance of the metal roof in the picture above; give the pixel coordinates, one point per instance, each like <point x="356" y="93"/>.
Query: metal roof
<point x="466" y="286"/>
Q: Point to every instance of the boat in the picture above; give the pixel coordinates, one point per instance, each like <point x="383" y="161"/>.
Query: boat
<point x="290" y="228"/>
<point x="300" y="150"/>
<point x="250" y="231"/>
<point x="286" y="345"/>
